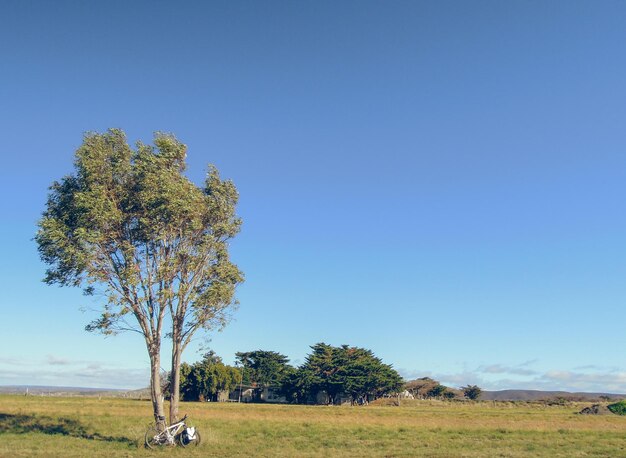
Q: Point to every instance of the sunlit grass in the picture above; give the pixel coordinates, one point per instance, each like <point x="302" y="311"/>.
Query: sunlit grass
<point x="49" y="426"/>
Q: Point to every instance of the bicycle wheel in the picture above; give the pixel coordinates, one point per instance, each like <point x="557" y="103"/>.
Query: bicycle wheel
<point x="184" y="440"/>
<point x="152" y="437"/>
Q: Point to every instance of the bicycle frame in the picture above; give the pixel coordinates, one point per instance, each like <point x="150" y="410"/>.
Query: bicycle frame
<point x="169" y="435"/>
<point x="173" y="430"/>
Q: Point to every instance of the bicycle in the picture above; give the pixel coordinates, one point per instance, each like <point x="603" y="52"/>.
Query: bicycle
<point x="178" y="432"/>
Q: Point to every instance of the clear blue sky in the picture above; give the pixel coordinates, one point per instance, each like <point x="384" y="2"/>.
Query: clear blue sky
<point x="441" y="182"/>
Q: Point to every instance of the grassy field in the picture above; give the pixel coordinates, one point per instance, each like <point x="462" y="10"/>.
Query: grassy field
<point x="50" y="426"/>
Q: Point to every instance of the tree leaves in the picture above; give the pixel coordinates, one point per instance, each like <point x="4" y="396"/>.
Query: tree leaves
<point x="264" y="368"/>
<point x="129" y="225"/>
<point x="206" y="378"/>
<point x="354" y="371"/>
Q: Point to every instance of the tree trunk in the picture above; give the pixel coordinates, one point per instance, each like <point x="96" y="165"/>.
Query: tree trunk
<point x="175" y="382"/>
<point x="155" y="388"/>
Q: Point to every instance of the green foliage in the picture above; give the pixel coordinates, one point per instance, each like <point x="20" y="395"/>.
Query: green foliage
<point x="353" y="371"/>
<point x="320" y="372"/>
<point x="437" y="391"/>
<point x="130" y="224"/>
<point x="205" y="379"/>
<point x="264" y="368"/>
<point x="619" y="408"/>
<point x="296" y="386"/>
<point x="472" y="392"/>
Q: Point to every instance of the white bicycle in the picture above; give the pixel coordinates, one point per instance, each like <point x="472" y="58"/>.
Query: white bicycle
<point x="178" y="432"/>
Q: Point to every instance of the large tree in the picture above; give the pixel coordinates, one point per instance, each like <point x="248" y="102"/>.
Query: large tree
<point x="366" y="376"/>
<point x="131" y="226"/>
<point x="321" y="371"/>
<point x="353" y="371"/>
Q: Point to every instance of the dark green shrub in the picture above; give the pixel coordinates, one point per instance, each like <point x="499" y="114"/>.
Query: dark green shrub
<point x="436" y="391"/>
<point x="619" y="408"/>
<point x="472" y="392"/>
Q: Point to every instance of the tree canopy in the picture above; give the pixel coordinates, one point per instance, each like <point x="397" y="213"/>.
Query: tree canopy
<point x="351" y="371"/>
<point x="205" y="379"/>
<point x="472" y="392"/>
<point x="264" y="368"/>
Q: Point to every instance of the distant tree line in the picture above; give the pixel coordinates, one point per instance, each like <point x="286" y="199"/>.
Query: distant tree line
<point x="336" y="373"/>
<point x="329" y="375"/>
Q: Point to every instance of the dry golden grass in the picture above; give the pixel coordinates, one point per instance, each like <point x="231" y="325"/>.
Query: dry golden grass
<point x="43" y="426"/>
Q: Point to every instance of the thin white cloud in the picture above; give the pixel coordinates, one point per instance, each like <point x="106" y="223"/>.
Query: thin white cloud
<point x="503" y="369"/>
<point x="57" y="361"/>
<point x="14" y="362"/>
<point x="59" y="371"/>
<point x="412" y="374"/>
<point x="595" y="367"/>
<point x="112" y="377"/>
<point x="502" y="377"/>
<point x="581" y="381"/>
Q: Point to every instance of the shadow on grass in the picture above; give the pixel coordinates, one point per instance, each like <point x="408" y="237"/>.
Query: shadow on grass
<point x="21" y="424"/>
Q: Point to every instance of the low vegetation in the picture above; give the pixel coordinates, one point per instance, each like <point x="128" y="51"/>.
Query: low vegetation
<point x="619" y="408"/>
<point x="34" y="426"/>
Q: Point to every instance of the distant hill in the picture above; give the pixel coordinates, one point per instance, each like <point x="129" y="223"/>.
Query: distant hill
<point x="59" y="390"/>
<point x="421" y="387"/>
<point x="536" y="395"/>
